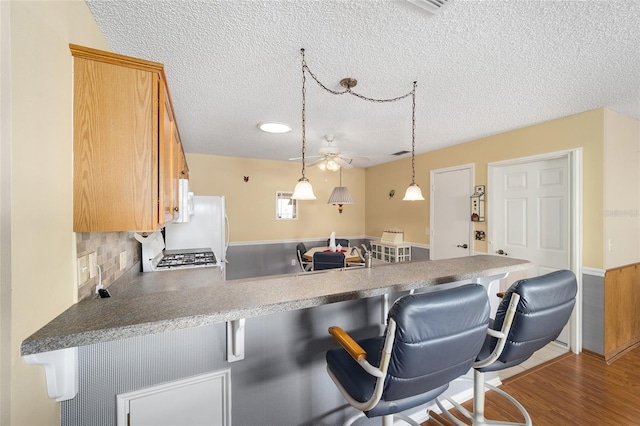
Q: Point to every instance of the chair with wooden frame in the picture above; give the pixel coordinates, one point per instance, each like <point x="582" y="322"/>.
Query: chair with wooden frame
<point x="532" y="314"/>
<point x="431" y="338"/>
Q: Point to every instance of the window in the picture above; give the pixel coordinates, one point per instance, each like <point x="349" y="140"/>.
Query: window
<point x="286" y="207"/>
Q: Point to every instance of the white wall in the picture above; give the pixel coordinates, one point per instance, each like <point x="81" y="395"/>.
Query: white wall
<point x="5" y="216"/>
<point x="43" y="277"/>
<point x="621" y="190"/>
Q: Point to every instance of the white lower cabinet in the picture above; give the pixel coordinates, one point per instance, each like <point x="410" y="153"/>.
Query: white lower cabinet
<point x="399" y="252"/>
<point x="199" y="400"/>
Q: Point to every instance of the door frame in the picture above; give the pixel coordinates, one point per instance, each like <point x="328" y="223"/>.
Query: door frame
<point x="574" y="157"/>
<point x="433" y="172"/>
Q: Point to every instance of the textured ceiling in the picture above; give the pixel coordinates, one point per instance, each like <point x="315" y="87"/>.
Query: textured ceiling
<point x="482" y="67"/>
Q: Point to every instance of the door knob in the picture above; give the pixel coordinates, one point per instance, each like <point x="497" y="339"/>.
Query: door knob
<point x="463" y="246"/>
<point x="502" y="252"/>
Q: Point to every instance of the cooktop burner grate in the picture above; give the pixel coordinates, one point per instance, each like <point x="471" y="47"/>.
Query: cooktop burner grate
<point x="187" y="259"/>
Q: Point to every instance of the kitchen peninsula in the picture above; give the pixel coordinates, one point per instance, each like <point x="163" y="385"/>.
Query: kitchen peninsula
<point x="198" y="297"/>
<point x="286" y="319"/>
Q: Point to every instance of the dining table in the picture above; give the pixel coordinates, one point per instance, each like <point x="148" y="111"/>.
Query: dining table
<point x="351" y="254"/>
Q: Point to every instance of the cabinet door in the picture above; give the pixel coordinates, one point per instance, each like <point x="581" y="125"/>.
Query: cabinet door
<point x="115" y="148"/>
<point x="169" y="173"/>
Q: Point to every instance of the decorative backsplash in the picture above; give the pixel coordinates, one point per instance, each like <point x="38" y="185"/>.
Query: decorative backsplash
<point x="108" y="247"/>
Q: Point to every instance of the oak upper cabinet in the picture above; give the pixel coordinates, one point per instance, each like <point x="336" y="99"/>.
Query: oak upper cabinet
<point x="128" y="155"/>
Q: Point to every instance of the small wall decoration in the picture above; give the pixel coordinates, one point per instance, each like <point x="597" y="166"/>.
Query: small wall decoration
<point x="246" y="178"/>
<point x="392" y="193"/>
<point x="477" y="204"/>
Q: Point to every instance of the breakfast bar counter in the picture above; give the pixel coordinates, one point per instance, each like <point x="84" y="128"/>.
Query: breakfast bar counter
<point x="157" y="302"/>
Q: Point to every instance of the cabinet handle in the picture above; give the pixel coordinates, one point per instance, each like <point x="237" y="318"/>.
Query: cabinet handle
<point x="175" y="209"/>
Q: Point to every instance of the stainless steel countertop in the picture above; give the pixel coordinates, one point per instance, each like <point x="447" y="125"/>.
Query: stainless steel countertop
<point x="155" y="302"/>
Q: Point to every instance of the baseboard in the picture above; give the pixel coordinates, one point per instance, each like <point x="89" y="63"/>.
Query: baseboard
<point x="615" y="355"/>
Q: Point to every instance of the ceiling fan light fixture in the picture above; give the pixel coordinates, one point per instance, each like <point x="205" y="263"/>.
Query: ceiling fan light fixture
<point x="274" y="127"/>
<point x="332" y="166"/>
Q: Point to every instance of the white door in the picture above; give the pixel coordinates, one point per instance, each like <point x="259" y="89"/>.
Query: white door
<point x="451" y="190"/>
<point x="195" y="401"/>
<point x="530" y="215"/>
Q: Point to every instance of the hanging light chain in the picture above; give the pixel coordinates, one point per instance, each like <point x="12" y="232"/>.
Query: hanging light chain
<point x="351" y="92"/>
<point x="413" y="133"/>
<point x="304" y="93"/>
<point x="412" y="93"/>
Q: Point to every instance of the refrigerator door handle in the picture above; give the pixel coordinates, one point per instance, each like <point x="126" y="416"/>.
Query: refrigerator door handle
<point x="227" y="232"/>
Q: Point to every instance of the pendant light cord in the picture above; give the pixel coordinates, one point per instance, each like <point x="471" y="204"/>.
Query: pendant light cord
<point x="304" y="95"/>
<point x="349" y="84"/>
<point x="413" y="133"/>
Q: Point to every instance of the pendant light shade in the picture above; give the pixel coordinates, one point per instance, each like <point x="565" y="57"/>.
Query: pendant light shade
<point x="340" y="195"/>
<point x="303" y="190"/>
<point x="413" y="193"/>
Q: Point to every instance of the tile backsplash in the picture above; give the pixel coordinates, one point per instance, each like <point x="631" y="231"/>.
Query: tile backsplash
<point x="108" y="246"/>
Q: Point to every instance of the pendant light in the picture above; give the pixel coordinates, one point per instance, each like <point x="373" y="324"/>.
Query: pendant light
<point x="413" y="192"/>
<point x="340" y="195"/>
<point x="303" y="189"/>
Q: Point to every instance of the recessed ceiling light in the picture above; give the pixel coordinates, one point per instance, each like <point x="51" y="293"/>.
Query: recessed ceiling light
<point x="273" y="127"/>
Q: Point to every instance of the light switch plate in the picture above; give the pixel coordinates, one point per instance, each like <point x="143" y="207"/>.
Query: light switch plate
<point x="123" y="260"/>
<point x="93" y="261"/>
<point x="83" y="270"/>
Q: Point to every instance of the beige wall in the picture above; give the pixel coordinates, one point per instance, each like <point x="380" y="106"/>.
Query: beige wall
<point x="251" y="205"/>
<point x="43" y="243"/>
<point x="621" y="190"/>
<point x="581" y="130"/>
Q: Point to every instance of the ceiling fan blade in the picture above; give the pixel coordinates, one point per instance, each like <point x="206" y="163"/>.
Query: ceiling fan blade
<point x="344" y="164"/>
<point x="306" y="157"/>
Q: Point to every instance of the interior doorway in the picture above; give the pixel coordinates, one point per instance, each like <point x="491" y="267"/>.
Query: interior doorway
<point x="534" y="212"/>
<point x="450" y="223"/>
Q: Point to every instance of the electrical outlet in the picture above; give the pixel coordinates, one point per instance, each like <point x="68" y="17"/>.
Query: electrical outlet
<point x="93" y="262"/>
<point x="427" y="231"/>
<point x="83" y="270"/>
<point x="293" y="262"/>
<point x="123" y="260"/>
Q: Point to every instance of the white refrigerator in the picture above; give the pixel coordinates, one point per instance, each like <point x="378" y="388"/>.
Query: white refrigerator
<point x="208" y="228"/>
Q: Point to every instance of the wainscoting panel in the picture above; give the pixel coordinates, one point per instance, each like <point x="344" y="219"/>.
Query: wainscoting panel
<point x="281" y="381"/>
<point x="263" y="259"/>
<point x="593" y="313"/>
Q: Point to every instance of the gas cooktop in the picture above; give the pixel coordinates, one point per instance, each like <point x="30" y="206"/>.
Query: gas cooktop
<point x="205" y="258"/>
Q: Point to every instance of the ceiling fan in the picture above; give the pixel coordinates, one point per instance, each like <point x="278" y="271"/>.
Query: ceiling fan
<point x="330" y="158"/>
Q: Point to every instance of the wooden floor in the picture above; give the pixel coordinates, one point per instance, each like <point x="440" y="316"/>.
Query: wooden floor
<point x="573" y="390"/>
